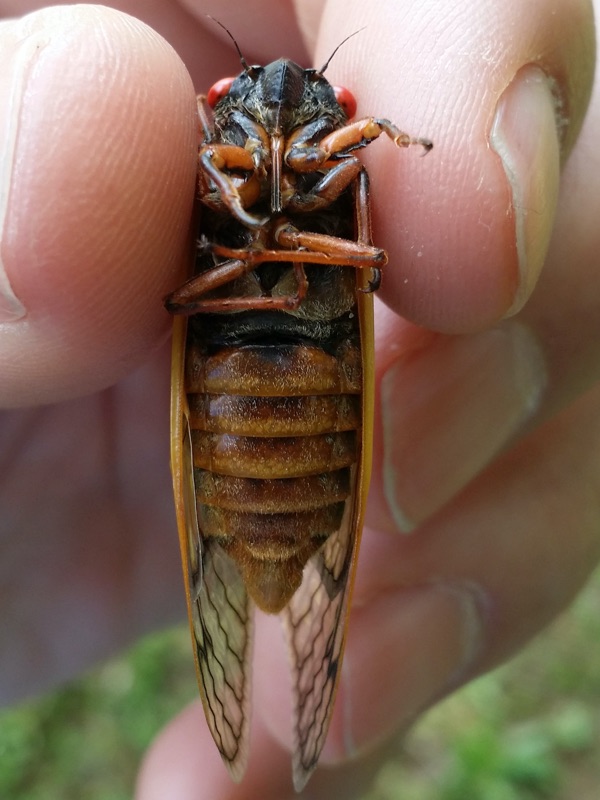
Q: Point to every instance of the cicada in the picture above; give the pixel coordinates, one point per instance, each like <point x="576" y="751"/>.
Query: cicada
<point x="272" y="399"/>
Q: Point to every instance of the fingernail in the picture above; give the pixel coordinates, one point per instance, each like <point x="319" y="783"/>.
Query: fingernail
<point x="425" y="641"/>
<point x="21" y="46"/>
<point x="448" y="410"/>
<point x="524" y="134"/>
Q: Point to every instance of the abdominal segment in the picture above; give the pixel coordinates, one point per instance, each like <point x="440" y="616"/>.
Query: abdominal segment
<point x="275" y="432"/>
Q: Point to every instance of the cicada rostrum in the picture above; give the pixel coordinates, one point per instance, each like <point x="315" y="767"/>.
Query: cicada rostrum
<point x="272" y="400"/>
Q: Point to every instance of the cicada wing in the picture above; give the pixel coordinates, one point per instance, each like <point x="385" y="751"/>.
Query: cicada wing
<point x="219" y="609"/>
<point x="316" y="618"/>
<point x="315" y="623"/>
<point x="222" y="632"/>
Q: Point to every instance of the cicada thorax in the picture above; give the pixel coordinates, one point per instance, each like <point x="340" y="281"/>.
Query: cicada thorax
<point x="275" y="414"/>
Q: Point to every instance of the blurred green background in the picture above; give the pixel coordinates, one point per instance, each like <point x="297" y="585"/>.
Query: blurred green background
<point x="529" y="730"/>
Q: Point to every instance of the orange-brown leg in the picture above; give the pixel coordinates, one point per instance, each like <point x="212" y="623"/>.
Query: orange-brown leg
<point x="363" y="223"/>
<point x="329" y="188"/>
<point x="212" y="160"/>
<point x="366" y="130"/>
<point x="185" y="299"/>
<point x="303" y="157"/>
<point x="189" y="298"/>
<point x="311" y="248"/>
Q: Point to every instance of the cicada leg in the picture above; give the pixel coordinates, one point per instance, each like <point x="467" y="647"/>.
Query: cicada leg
<point x="310" y="248"/>
<point x="207" y="132"/>
<point x="185" y="299"/>
<point x="212" y="160"/>
<point x="304" y="156"/>
<point x="363" y="131"/>
<point x="363" y="224"/>
<point x="189" y="298"/>
<point x="328" y="188"/>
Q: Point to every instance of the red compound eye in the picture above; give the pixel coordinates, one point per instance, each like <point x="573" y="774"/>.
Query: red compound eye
<point x="218" y="91"/>
<point x="346" y="99"/>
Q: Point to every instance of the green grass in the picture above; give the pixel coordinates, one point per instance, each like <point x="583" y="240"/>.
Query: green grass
<point x="528" y="731"/>
<point x="84" y="742"/>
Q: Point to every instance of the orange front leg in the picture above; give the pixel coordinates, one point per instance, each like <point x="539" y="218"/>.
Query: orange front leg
<point x="364" y="131"/>
<point x="308" y="157"/>
<point x="234" y="192"/>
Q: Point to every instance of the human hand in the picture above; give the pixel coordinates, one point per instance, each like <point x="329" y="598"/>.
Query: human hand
<point x="490" y="436"/>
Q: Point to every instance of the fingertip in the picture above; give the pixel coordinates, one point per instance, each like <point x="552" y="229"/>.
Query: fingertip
<point x="99" y="185"/>
<point x="450" y="221"/>
<point x="180" y="763"/>
<point x="183" y="764"/>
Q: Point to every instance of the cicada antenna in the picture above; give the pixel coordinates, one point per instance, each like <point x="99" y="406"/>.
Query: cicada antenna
<point x="243" y="61"/>
<point x="326" y="64"/>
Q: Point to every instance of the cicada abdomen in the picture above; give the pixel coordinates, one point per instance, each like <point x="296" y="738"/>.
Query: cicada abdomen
<point x="273" y="391"/>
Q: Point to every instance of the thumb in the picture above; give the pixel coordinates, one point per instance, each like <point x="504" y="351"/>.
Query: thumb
<point x="96" y="190"/>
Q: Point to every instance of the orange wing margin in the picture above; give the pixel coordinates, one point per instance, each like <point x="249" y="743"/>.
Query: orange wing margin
<point x="220" y="612"/>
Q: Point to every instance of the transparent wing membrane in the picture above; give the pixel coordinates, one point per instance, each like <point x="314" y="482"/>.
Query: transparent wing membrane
<point x="315" y="623"/>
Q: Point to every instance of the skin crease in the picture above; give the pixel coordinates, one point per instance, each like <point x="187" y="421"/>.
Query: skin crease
<point x="85" y="492"/>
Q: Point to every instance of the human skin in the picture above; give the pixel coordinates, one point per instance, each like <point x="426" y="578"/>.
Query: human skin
<point x="488" y="348"/>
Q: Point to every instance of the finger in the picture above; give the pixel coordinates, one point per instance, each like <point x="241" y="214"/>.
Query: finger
<point x="201" y="51"/>
<point x="564" y="311"/>
<point x="184" y="764"/>
<point x="98" y="177"/>
<point x="473" y="585"/>
<point x="88" y="536"/>
<point x="450" y="405"/>
<point x="467" y="228"/>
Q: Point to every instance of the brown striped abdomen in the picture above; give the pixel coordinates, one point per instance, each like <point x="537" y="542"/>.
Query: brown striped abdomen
<point x="275" y="434"/>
